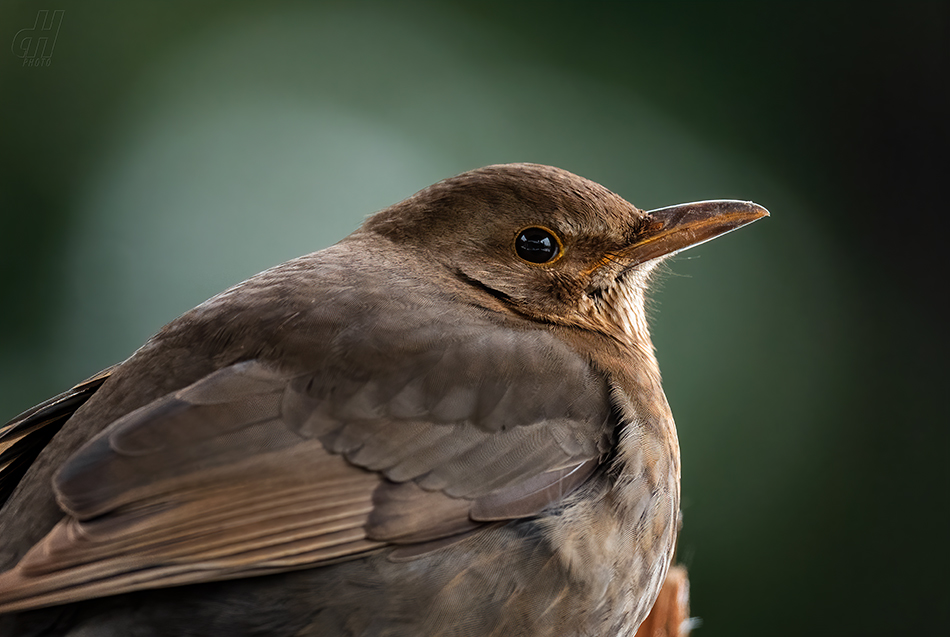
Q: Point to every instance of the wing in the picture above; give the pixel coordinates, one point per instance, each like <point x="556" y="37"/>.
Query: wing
<point x="22" y="439"/>
<point x="254" y="469"/>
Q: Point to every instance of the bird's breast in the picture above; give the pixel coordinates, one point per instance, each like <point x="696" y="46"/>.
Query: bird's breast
<point x="616" y="539"/>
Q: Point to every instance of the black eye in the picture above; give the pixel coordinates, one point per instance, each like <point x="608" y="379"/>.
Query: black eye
<point x="537" y="245"/>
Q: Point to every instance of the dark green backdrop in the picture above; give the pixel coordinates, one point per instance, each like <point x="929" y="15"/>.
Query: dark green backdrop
<point x="170" y="149"/>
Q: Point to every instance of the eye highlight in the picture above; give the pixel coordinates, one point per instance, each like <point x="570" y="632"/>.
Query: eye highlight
<point x="537" y="245"/>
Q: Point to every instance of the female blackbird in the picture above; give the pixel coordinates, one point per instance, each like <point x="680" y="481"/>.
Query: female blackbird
<point x="449" y="423"/>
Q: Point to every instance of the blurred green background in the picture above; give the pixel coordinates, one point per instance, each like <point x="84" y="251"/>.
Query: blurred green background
<point x="171" y="149"/>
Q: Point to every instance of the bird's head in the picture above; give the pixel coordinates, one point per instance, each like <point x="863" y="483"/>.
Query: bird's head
<point x="550" y="245"/>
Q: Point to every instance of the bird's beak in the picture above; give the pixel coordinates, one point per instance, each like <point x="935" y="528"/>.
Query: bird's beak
<point x="679" y="227"/>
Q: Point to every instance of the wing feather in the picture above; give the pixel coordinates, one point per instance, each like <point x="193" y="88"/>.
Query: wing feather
<point x="24" y="437"/>
<point x="255" y="469"/>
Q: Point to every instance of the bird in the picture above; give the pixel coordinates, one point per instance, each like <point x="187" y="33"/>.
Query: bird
<point x="451" y="422"/>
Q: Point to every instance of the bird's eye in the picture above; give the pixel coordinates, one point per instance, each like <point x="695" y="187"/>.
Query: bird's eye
<point x="537" y="245"/>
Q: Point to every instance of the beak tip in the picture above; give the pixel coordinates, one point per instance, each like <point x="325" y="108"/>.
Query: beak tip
<point x="740" y="212"/>
<point x="748" y="209"/>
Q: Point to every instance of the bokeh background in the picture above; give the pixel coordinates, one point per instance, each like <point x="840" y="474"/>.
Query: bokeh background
<point x="171" y="149"/>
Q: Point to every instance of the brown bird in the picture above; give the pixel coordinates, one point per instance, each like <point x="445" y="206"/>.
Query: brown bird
<point x="449" y="423"/>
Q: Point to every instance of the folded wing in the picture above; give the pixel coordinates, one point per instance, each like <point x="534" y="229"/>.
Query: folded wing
<point x="255" y="469"/>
